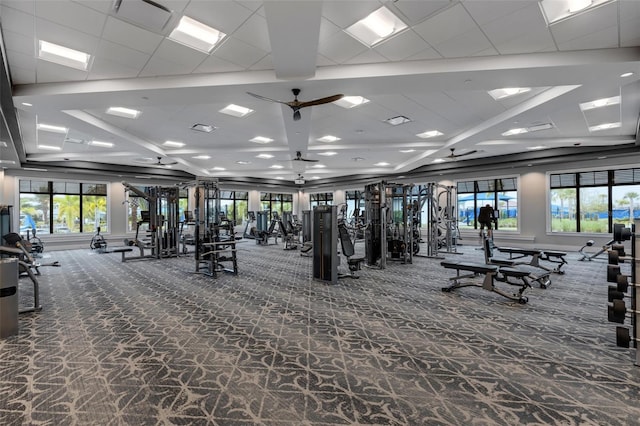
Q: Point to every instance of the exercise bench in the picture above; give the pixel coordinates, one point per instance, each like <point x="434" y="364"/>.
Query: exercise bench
<point x="492" y="273"/>
<point x="543" y="279"/>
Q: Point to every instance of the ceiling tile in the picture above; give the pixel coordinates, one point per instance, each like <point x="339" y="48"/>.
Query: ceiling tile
<point x="252" y="5"/>
<point x="103" y="69"/>
<point x="341" y="47"/>
<point x="401" y="46"/>
<point x="446" y="25"/>
<point x="21" y="75"/>
<point x="414" y="11"/>
<point x="629" y="23"/>
<point x="265" y="63"/>
<point x="327" y="29"/>
<point x="225" y="16"/>
<point x="239" y="52"/>
<point x="255" y="33"/>
<point x="20" y="43"/>
<point x="170" y="50"/>
<point x="524" y="21"/>
<point x="586" y="23"/>
<point x="158" y="66"/>
<point x="17" y="21"/>
<point x="536" y="41"/>
<point x="466" y="44"/>
<point x="48" y="72"/>
<point x="103" y="6"/>
<point x="322" y="61"/>
<point x="131" y="36"/>
<point x="72" y="15"/>
<point x="486" y="11"/>
<point x="215" y="64"/>
<point x="426" y="54"/>
<point x="336" y="12"/>
<point x="64" y="36"/>
<point x="19" y="59"/>
<point x="27" y="6"/>
<point x="601" y="39"/>
<point x="120" y="54"/>
<point x="369" y="56"/>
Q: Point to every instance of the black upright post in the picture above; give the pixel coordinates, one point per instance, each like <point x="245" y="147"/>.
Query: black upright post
<point x="325" y="244"/>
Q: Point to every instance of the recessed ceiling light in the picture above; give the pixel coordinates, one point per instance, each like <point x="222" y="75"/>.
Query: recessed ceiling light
<point x="555" y="11"/>
<point x="376" y="27"/>
<point x="539" y="127"/>
<point x="328" y="138"/>
<point x="243" y="162"/>
<point x="218" y="169"/>
<point x="279" y="177"/>
<point x="578" y="5"/>
<point x="28" y="104"/>
<point x="507" y="92"/>
<point x="101" y="144"/>
<point x="236" y="110"/>
<point x="382" y="164"/>
<point x="261" y="139"/>
<point x="173" y="144"/>
<point x="34" y="169"/>
<point x="318" y="166"/>
<point x="429" y="134"/>
<point x="63" y="55"/>
<point x="205" y="128"/>
<point x="3" y="144"/>
<point x="265" y="156"/>
<point x="396" y="121"/>
<point x="276" y="166"/>
<point x="599" y="103"/>
<point x="202" y="157"/>
<point x="50" y="147"/>
<point x="7" y="162"/>
<point x="351" y="101"/>
<point x="196" y="35"/>
<point x="124" y="112"/>
<point x="406" y="151"/>
<point x="357" y="159"/>
<point x="602" y="157"/>
<point x="626" y="74"/>
<point x="51" y="128"/>
<point x="328" y="153"/>
<point x="604" y="126"/>
<point x="315" y="177"/>
<point x="517" y="131"/>
<point x="535" y="148"/>
<point x="438" y="160"/>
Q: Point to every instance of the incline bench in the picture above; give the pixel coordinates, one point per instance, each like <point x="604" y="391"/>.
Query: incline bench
<point x="491" y="274"/>
<point x="543" y="279"/>
<point x="536" y="256"/>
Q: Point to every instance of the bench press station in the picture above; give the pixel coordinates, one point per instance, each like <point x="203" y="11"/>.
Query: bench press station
<point x="492" y="273"/>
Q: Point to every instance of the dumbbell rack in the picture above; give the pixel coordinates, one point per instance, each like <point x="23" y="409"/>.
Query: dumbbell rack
<point x="626" y="337"/>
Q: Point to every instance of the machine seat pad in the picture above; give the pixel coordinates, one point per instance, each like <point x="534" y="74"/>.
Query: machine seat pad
<point x="122" y="250"/>
<point x="513" y="272"/>
<point x="478" y="268"/>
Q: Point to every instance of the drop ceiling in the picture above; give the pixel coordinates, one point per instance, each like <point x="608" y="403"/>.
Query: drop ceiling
<point x="438" y="73"/>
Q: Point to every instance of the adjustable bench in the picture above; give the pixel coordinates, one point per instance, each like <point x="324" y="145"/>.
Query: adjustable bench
<point x="543" y="279"/>
<point x="491" y="274"/>
<point x="536" y="256"/>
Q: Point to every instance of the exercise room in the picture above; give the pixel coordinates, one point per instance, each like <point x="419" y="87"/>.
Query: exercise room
<point x="319" y="213"/>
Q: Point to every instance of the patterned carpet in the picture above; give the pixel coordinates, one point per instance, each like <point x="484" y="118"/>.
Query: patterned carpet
<point x="149" y="342"/>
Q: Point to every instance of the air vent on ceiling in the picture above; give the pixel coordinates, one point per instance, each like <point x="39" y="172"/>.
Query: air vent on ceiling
<point x="145" y="13"/>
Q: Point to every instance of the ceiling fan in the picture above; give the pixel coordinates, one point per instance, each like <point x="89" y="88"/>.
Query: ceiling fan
<point x="454" y="155"/>
<point x="163" y="163"/>
<point x="296" y="105"/>
<point x="300" y="158"/>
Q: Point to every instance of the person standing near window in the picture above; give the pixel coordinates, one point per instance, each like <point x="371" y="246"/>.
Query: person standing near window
<point x="485" y="218"/>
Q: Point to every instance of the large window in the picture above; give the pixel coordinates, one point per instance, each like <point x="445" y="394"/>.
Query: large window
<point x="234" y="205"/>
<point x="355" y="200"/>
<point x="276" y="202"/>
<point x="62" y="207"/>
<point x="592" y="201"/>
<point x="320" y="199"/>
<point x="501" y="194"/>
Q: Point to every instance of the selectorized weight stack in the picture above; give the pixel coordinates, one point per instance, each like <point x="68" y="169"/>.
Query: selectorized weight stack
<point x="325" y="244"/>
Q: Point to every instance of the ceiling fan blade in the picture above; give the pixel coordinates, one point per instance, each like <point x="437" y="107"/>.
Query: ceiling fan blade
<point x="264" y="98"/>
<point x="320" y="101"/>
<point x="310" y="160"/>
<point x="296" y="115"/>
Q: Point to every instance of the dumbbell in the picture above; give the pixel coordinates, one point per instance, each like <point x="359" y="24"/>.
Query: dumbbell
<point x="622" y="283"/>
<point x="612" y="273"/>
<point x="617" y="311"/>
<point x="623" y="338"/>
<point x="616" y="254"/>
<point x="614" y="293"/>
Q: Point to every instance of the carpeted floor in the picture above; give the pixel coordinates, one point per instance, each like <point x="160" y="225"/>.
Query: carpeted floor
<point x="149" y="342"/>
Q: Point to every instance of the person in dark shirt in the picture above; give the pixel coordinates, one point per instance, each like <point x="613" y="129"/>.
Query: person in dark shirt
<point x="485" y="218"/>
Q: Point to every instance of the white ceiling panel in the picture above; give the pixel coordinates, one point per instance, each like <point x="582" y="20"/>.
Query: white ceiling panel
<point x="367" y="57"/>
<point x="239" y="53"/>
<point x="327" y="29"/>
<point x="322" y="61"/>
<point x="225" y="16"/>
<point x="586" y="23"/>
<point x="19" y="59"/>
<point x="255" y="33"/>
<point x="103" y="69"/>
<point x="607" y="37"/>
<point x="123" y="33"/>
<point x="47" y="72"/>
<point x="485" y="11"/>
<point x="343" y="17"/>
<point x="446" y="25"/>
<point x="341" y="47"/>
<point x="265" y="63"/>
<point x="525" y="22"/>
<point x="120" y="54"/>
<point x="64" y="36"/>
<point x="27" y="6"/>
<point x="215" y="64"/>
<point x="536" y="41"/>
<point x="72" y="15"/>
<point x="629" y="23"/>
<point x="17" y="21"/>
<point x="23" y="75"/>
<point x="426" y="54"/>
<point x="158" y="66"/>
<point x="414" y="11"/>
<point x="402" y="46"/>
<point x="25" y="44"/>
<point x="466" y="44"/>
<point x="103" y="6"/>
<point x="189" y="58"/>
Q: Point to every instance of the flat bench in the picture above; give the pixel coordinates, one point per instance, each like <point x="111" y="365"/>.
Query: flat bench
<point x="536" y="256"/>
<point x="516" y="253"/>
<point x="122" y="250"/>
<point x="492" y="273"/>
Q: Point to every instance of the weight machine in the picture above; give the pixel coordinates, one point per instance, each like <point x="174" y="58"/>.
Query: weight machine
<point x="442" y="224"/>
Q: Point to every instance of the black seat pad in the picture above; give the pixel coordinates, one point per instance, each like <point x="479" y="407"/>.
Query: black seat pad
<point x="513" y="272"/>
<point x="471" y="267"/>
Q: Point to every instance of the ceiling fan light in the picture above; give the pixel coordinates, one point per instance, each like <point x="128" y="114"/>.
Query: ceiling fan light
<point x="205" y="128"/>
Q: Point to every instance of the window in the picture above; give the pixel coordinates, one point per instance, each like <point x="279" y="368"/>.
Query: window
<point x="320" y="199"/>
<point x="136" y="205"/>
<point x="276" y="202"/>
<point x="234" y="205"/>
<point x="591" y="201"/>
<point x="355" y="200"/>
<point x="501" y="194"/>
<point x="62" y="207"/>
